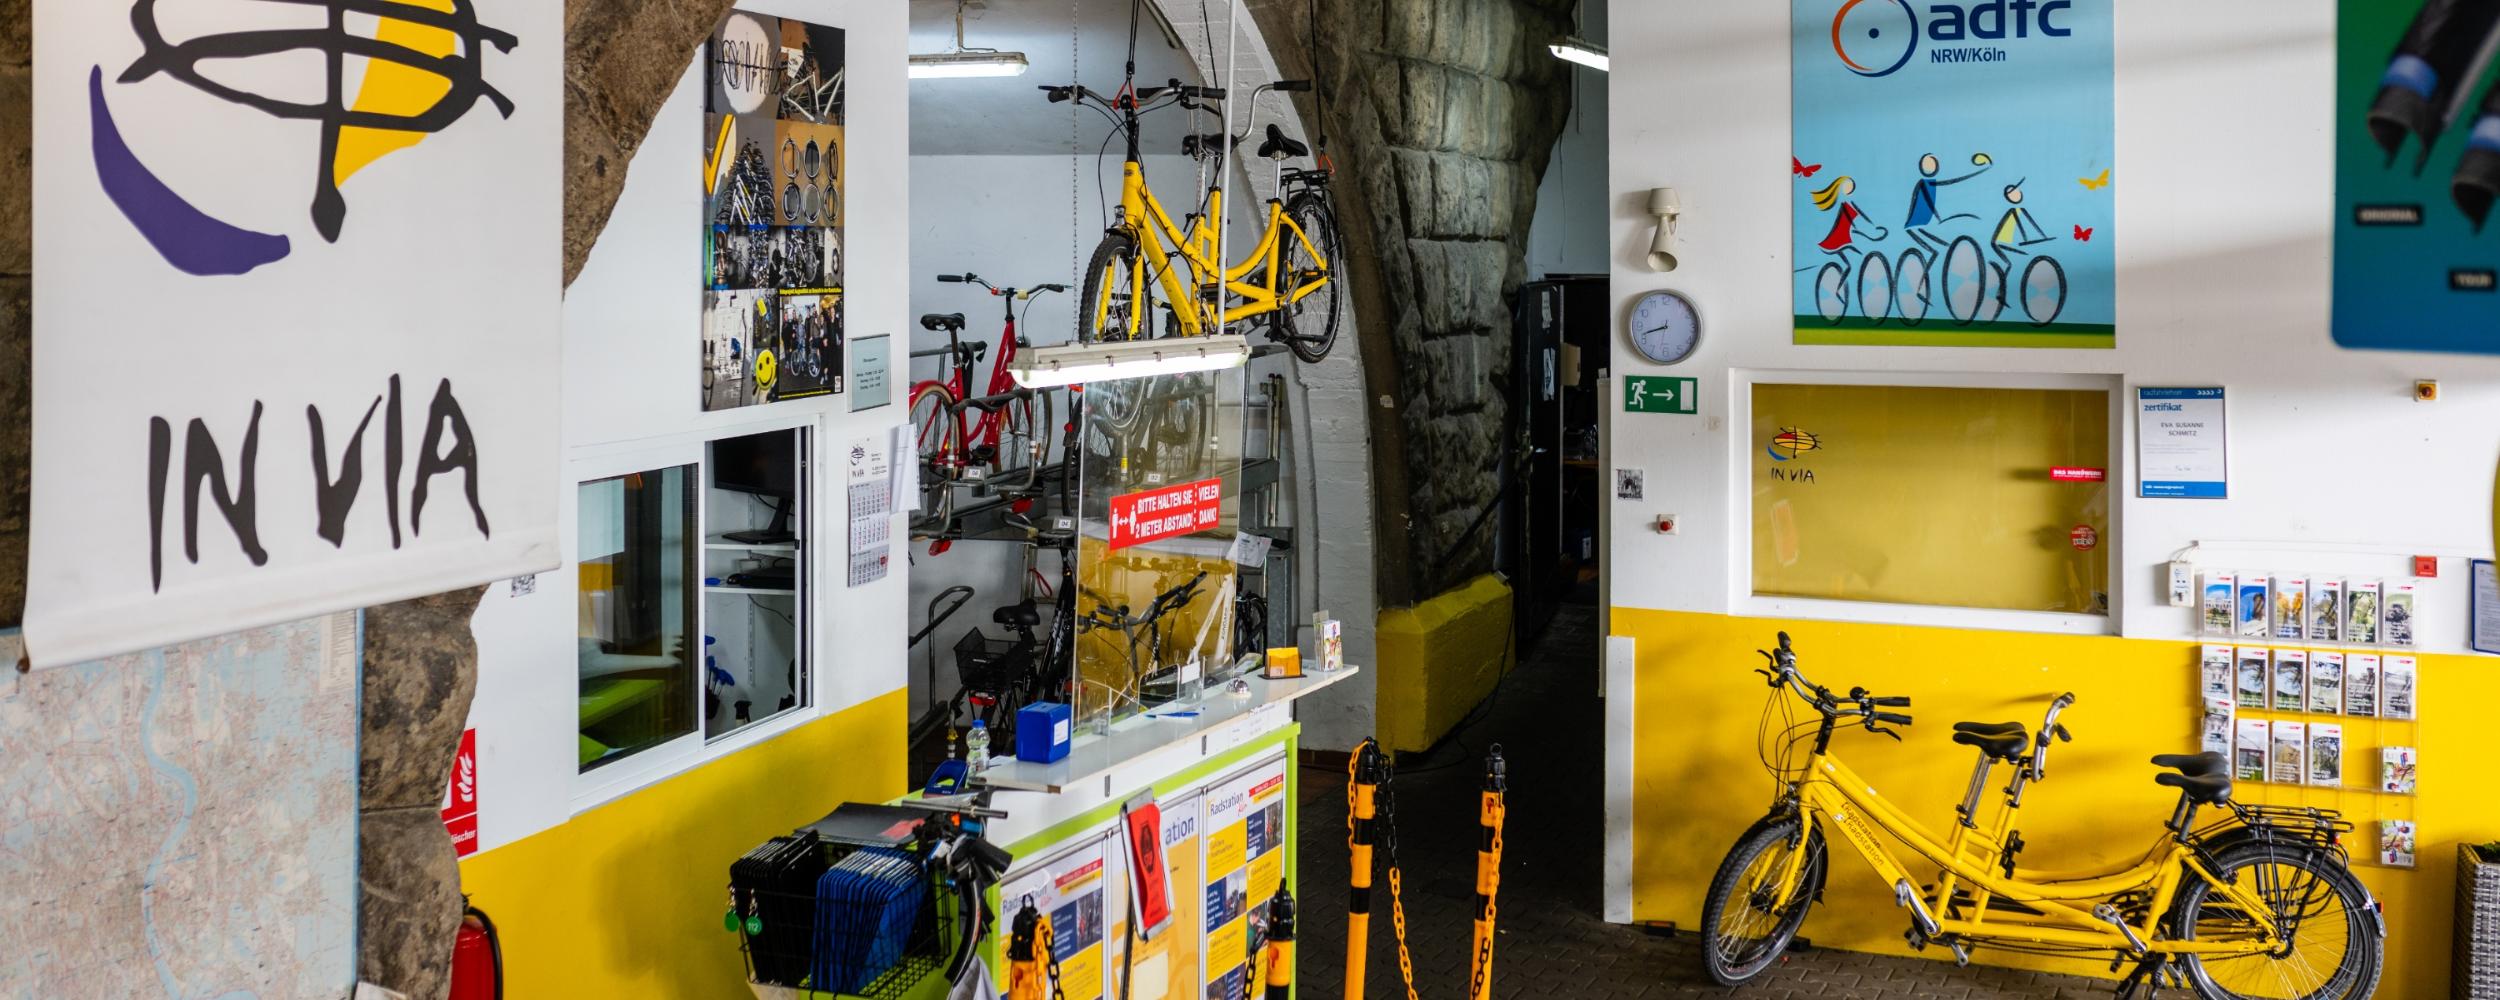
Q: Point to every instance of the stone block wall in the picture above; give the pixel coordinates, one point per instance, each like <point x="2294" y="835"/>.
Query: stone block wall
<point x="1441" y="116"/>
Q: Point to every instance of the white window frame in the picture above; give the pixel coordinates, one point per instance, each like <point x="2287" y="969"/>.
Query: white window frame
<point x="1745" y="439"/>
<point x="661" y="762"/>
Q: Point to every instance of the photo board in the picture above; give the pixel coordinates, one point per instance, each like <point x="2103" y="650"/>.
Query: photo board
<point x="772" y="158"/>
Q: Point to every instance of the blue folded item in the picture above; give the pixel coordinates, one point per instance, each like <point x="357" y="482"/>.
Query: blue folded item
<point x="866" y="906"/>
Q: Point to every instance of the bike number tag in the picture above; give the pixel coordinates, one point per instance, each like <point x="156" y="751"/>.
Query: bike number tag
<point x="975" y="473"/>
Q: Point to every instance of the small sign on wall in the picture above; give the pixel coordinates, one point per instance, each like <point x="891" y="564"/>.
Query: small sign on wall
<point x="460" y="797"/>
<point x="1660" y="394"/>
<point x="2182" y="445"/>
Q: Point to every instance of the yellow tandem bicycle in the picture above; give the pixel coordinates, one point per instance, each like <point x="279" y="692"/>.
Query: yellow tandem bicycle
<point x="2260" y="904"/>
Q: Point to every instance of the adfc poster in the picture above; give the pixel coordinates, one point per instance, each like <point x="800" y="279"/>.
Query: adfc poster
<point x="1073" y="890"/>
<point x="1246" y="836"/>
<point x="2417" y="167"/>
<point x="1167" y="967"/>
<point x="1954" y="173"/>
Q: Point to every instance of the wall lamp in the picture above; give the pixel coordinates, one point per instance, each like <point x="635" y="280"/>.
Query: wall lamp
<point x="1666" y="208"/>
<point x="1573" y="48"/>
<point x="1074" y="364"/>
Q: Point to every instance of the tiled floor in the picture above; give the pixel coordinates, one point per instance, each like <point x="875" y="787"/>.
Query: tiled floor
<point x="1553" y="942"/>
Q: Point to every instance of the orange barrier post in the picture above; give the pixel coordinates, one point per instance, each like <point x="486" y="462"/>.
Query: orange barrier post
<point x="1362" y="786"/>
<point x="1491" y="810"/>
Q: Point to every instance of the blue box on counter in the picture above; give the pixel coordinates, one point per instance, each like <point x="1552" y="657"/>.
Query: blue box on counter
<point x="1042" y="731"/>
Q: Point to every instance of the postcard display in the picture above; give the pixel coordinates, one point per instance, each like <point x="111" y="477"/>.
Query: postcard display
<point x="772" y="220"/>
<point x="2311" y="693"/>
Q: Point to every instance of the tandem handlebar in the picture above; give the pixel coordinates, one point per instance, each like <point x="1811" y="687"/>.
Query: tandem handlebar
<point x="1858" y="703"/>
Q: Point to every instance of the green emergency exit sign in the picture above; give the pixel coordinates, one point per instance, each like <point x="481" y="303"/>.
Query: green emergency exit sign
<point x="1659" y="394"/>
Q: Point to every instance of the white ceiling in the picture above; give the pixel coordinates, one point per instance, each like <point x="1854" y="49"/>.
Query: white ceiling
<point x="1081" y="41"/>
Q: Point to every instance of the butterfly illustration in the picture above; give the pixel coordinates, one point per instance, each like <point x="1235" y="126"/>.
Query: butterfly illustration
<point x="2094" y="183"/>
<point x="2082" y="235"/>
<point x="1799" y="167"/>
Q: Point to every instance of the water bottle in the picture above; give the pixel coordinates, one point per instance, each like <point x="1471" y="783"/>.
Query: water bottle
<point x="977" y="747"/>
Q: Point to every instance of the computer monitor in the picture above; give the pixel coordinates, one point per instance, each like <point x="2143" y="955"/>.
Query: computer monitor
<point x="766" y="465"/>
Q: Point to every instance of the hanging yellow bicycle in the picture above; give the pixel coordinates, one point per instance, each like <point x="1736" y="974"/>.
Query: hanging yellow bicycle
<point x="2260" y="904"/>
<point x="1153" y="277"/>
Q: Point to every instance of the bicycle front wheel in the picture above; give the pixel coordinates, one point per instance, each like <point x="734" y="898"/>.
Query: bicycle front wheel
<point x="1308" y="326"/>
<point x="2044" y="290"/>
<point x="2331" y="944"/>
<point x="1875" y="288"/>
<point x="1744" y="927"/>
<point x="1116" y="293"/>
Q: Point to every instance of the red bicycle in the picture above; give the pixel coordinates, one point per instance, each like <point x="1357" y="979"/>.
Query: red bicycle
<point x="1007" y="446"/>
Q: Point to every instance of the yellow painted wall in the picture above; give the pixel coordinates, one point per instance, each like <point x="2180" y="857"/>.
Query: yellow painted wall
<point x="1439" y="659"/>
<point x="1697" y="783"/>
<point x="626" y="899"/>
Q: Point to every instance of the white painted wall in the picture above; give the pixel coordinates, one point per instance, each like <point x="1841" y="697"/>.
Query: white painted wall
<point x="631" y="401"/>
<point x="2223" y="230"/>
<point x="1569" y="233"/>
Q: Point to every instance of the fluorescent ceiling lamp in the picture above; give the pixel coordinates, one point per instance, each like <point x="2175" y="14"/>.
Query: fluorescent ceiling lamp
<point x="944" y="65"/>
<point x="964" y="60"/>
<point x="1075" y="364"/>
<point x="1575" y="49"/>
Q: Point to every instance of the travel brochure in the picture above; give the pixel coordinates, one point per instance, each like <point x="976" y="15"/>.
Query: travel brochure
<point x="2311" y="609"/>
<point x="2336" y="684"/>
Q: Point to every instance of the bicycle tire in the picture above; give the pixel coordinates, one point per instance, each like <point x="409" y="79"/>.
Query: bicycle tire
<point x="1737" y="970"/>
<point x="1113" y="266"/>
<point x="2055" y="310"/>
<point x="2356" y="971"/>
<point x="1875" y="288"/>
<point x="1964" y="280"/>
<point x="1831" y="292"/>
<point x="1309" y="210"/>
<point x="1910" y="279"/>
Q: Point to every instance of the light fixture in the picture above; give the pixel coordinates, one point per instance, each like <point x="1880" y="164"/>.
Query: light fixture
<point x="1573" y="48"/>
<point x="1074" y="364"/>
<point x="1666" y="208"/>
<point x="966" y="61"/>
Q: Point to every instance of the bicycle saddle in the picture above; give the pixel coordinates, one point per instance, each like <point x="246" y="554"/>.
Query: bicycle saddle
<point x="1203" y="143"/>
<point x="1280" y="146"/>
<point x="2195" y="765"/>
<point x="942" y="321"/>
<point x="2002" y="740"/>
<point x="2202" y="789"/>
<point x="1023" y="615"/>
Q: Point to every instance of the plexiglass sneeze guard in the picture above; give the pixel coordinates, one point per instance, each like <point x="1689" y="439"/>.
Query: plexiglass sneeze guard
<point x="1159" y="474"/>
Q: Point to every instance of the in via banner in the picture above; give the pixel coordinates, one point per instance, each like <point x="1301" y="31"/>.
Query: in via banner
<point x="1954" y="173"/>
<point x="2417" y="172"/>
<point x="297" y="352"/>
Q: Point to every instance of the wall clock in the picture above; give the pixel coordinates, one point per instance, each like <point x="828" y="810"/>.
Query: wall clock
<point x="1664" y="327"/>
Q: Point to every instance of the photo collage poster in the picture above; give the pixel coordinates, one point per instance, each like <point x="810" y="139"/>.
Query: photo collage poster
<point x="2417" y="174"/>
<point x="772" y="152"/>
<point x="1246" y="840"/>
<point x="1953" y="174"/>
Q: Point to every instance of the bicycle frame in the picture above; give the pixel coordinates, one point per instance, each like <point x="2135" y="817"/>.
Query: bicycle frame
<point x="1159" y="239"/>
<point x="1833" y="797"/>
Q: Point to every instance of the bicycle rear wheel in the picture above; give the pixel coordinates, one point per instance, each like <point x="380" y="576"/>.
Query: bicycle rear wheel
<point x="1831" y="295"/>
<point x="1309" y="327"/>
<point x="1116" y="293"/>
<point x="2332" y="944"/>
<point x="1875" y="288"/>
<point x="1742" y="933"/>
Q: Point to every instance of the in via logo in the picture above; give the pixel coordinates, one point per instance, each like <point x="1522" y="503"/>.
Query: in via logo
<point x="1876" y="38"/>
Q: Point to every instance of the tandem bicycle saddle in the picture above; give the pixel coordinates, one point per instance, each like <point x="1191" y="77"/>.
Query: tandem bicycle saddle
<point x="952" y="322"/>
<point x="2003" y="741"/>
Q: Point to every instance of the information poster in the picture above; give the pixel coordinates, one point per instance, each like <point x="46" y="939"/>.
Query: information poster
<point x="1168" y="966"/>
<point x="2182" y="444"/>
<point x="1954" y="173"/>
<point x="1246" y="838"/>
<point x="1073" y="891"/>
<point x="772" y="226"/>
<point x="2417" y="169"/>
<point x="296" y="311"/>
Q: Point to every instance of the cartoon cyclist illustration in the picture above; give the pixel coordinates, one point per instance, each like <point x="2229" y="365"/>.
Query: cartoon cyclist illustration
<point x="1925" y="212"/>
<point x="2017" y="229"/>
<point x="1845" y="229"/>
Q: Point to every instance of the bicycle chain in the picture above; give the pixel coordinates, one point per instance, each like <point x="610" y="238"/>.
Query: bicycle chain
<point x="1477" y="985"/>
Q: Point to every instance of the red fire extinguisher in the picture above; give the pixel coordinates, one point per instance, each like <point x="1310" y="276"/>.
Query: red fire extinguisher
<point x="476" y="959"/>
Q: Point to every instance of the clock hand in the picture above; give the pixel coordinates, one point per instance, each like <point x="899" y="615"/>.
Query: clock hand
<point x="1654" y="329"/>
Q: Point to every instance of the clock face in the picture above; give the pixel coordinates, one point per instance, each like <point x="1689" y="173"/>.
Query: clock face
<point x="1664" y="327"/>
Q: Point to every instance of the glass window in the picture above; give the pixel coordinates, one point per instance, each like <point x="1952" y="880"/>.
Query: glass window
<point x="638" y="592"/>
<point x="1957" y="497"/>
<point x="755" y="581"/>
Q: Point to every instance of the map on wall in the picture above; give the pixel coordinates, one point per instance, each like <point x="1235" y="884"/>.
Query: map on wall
<point x="1954" y="173"/>
<point x="772" y="225"/>
<point x="182" y="821"/>
<point x="2417" y="172"/>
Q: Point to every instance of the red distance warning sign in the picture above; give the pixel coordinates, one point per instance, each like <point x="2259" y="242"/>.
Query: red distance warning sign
<point x="1166" y="512"/>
